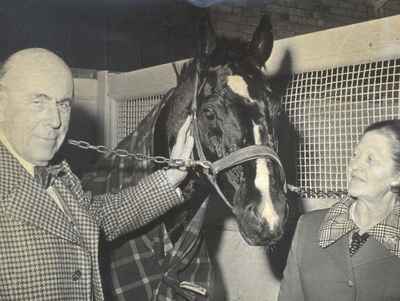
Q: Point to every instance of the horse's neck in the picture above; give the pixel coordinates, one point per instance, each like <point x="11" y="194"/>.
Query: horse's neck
<point x="194" y="191"/>
<point x="196" y="188"/>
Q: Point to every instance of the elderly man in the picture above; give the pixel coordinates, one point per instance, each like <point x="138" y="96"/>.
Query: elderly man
<point x="49" y="227"/>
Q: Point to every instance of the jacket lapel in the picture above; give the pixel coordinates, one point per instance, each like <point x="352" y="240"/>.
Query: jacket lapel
<point x="79" y="214"/>
<point x="372" y="251"/>
<point x="337" y="251"/>
<point x="25" y="200"/>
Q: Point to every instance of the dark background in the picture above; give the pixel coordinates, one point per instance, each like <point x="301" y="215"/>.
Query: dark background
<point x="117" y="35"/>
<point x="124" y="35"/>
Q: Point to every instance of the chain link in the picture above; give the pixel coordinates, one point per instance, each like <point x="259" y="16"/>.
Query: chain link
<point x="122" y="153"/>
<point x="314" y="193"/>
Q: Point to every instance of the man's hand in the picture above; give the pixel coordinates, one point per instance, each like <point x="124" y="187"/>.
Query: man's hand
<point x="181" y="150"/>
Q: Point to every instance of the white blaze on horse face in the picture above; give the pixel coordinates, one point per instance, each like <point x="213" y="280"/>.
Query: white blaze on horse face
<point x="238" y="85"/>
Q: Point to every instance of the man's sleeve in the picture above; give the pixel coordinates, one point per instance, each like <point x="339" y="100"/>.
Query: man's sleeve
<point x="133" y="207"/>
<point x="291" y="287"/>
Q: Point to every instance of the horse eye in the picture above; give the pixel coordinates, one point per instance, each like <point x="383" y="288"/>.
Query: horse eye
<point x="210" y="114"/>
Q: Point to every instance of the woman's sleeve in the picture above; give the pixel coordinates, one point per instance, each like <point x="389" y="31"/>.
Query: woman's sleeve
<point x="291" y="286"/>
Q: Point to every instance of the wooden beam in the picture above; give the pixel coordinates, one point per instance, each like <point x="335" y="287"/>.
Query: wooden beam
<point x="378" y="4"/>
<point x="348" y="45"/>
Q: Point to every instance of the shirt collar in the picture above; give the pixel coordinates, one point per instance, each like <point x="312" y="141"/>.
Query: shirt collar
<point x="25" y="164"/>
<point x="337" y="223"/>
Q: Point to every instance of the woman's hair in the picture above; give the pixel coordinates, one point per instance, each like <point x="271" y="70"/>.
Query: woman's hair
<point x="390" y="128"/>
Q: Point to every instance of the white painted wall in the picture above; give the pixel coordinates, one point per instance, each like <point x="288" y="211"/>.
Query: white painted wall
<point x="85" y="92"/>
<point x="341" y="46"/>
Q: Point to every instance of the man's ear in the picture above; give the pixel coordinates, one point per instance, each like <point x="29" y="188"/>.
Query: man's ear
<point x="395" y="184"/>
<point x="3" y="103"/>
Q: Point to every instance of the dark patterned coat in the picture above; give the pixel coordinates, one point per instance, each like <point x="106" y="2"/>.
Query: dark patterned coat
<point x="43" y="256"/>
<point x="328" y="274"/>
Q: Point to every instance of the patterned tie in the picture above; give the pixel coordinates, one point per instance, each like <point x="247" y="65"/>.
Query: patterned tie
<point x="357" y="241"/>
<point x="45" y="176"/>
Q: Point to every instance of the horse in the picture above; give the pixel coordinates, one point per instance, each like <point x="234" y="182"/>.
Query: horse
<point x="234" y="119"/>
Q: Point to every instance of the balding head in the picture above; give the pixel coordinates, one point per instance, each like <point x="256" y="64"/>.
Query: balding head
<point x="36" y="89"/>
<point x="31" y="64"/>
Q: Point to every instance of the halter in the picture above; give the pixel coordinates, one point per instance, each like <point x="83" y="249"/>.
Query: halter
<point x="235" y="158"/>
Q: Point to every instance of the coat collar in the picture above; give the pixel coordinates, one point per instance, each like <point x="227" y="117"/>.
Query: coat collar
<point x="22" y="198"/>
<point x="337" y="223"/>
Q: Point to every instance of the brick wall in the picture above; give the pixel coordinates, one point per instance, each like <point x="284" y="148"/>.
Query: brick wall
<point x="102" y="35"/>
<point x="239" y="18"/>
<point x="389" y="8"/>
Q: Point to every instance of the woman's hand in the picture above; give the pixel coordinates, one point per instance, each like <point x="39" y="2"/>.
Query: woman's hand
<point x="181" y="150"/>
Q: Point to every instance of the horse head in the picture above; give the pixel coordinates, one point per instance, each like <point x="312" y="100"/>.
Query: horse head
<point x="235" y="109"/>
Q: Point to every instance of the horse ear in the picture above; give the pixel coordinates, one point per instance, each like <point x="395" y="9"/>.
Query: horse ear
<point x="207" y="37"/>
<point x="260" y="47"/>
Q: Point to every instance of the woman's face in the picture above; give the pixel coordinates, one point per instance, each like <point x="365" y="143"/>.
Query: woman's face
<point x="372" y="169"/>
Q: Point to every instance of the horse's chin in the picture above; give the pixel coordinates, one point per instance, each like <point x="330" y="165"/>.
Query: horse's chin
<point x="255" y="230"/>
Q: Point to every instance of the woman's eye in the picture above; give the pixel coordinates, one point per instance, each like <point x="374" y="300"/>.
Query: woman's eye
<point x="370" y="159"/>
<point x="37" y="101"/>
<point x="64" y="105"/>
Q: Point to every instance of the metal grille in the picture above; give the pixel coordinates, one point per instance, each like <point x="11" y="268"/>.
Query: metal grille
<point x="330" y="109"/>
<point x="131" y="111"/>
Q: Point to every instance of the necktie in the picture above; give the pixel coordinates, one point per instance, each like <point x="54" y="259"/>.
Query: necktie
<point x="45" y="176"/>
<point x="357" y="241"/>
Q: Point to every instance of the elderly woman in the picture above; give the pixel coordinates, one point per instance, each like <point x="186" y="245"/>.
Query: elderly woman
<point x="351" y="251"/>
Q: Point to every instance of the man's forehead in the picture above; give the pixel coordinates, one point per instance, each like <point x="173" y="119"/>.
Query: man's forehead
<point x="35" y="65"/>
<point x="35" y="56"/>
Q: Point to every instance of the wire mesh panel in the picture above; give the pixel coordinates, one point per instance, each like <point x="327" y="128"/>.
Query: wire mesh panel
<point x="131" y="111"/>
<point x="330" y="109"/>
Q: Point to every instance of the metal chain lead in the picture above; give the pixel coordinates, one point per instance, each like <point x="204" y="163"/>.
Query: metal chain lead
<point x="206" y="165"/>
<point x="314" y="193"/>
<point x="122" y="153"/>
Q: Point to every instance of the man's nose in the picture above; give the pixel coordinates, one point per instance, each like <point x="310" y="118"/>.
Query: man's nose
<point x="53" y="116"/>
<point x="355" y="164"/>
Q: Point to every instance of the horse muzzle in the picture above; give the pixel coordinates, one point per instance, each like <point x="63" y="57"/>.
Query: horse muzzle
<point x="255" y="230"/>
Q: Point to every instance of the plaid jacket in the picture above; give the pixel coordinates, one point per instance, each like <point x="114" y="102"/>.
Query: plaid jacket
<point x="145" y="265"/>
<point x="44" y="256"/>
<point x="315" y="273"/>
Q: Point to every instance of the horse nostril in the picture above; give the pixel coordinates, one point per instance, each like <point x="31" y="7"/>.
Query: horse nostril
<point x="249" y="208"/>
<point x="252" y="209"/>
<point x="252" y="213"/>
<point x="209" y="113"/>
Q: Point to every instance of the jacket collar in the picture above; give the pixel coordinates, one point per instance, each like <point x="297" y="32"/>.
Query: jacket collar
<point x="24" y="199"/>
<point x="337" y="223"/>
<point x="27" y="165"/>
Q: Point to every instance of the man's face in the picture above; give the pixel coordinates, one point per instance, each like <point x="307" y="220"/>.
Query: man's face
<point x="37" y="112"/>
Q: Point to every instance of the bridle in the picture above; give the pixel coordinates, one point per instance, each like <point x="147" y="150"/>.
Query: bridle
<point x="235" y="158"/>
